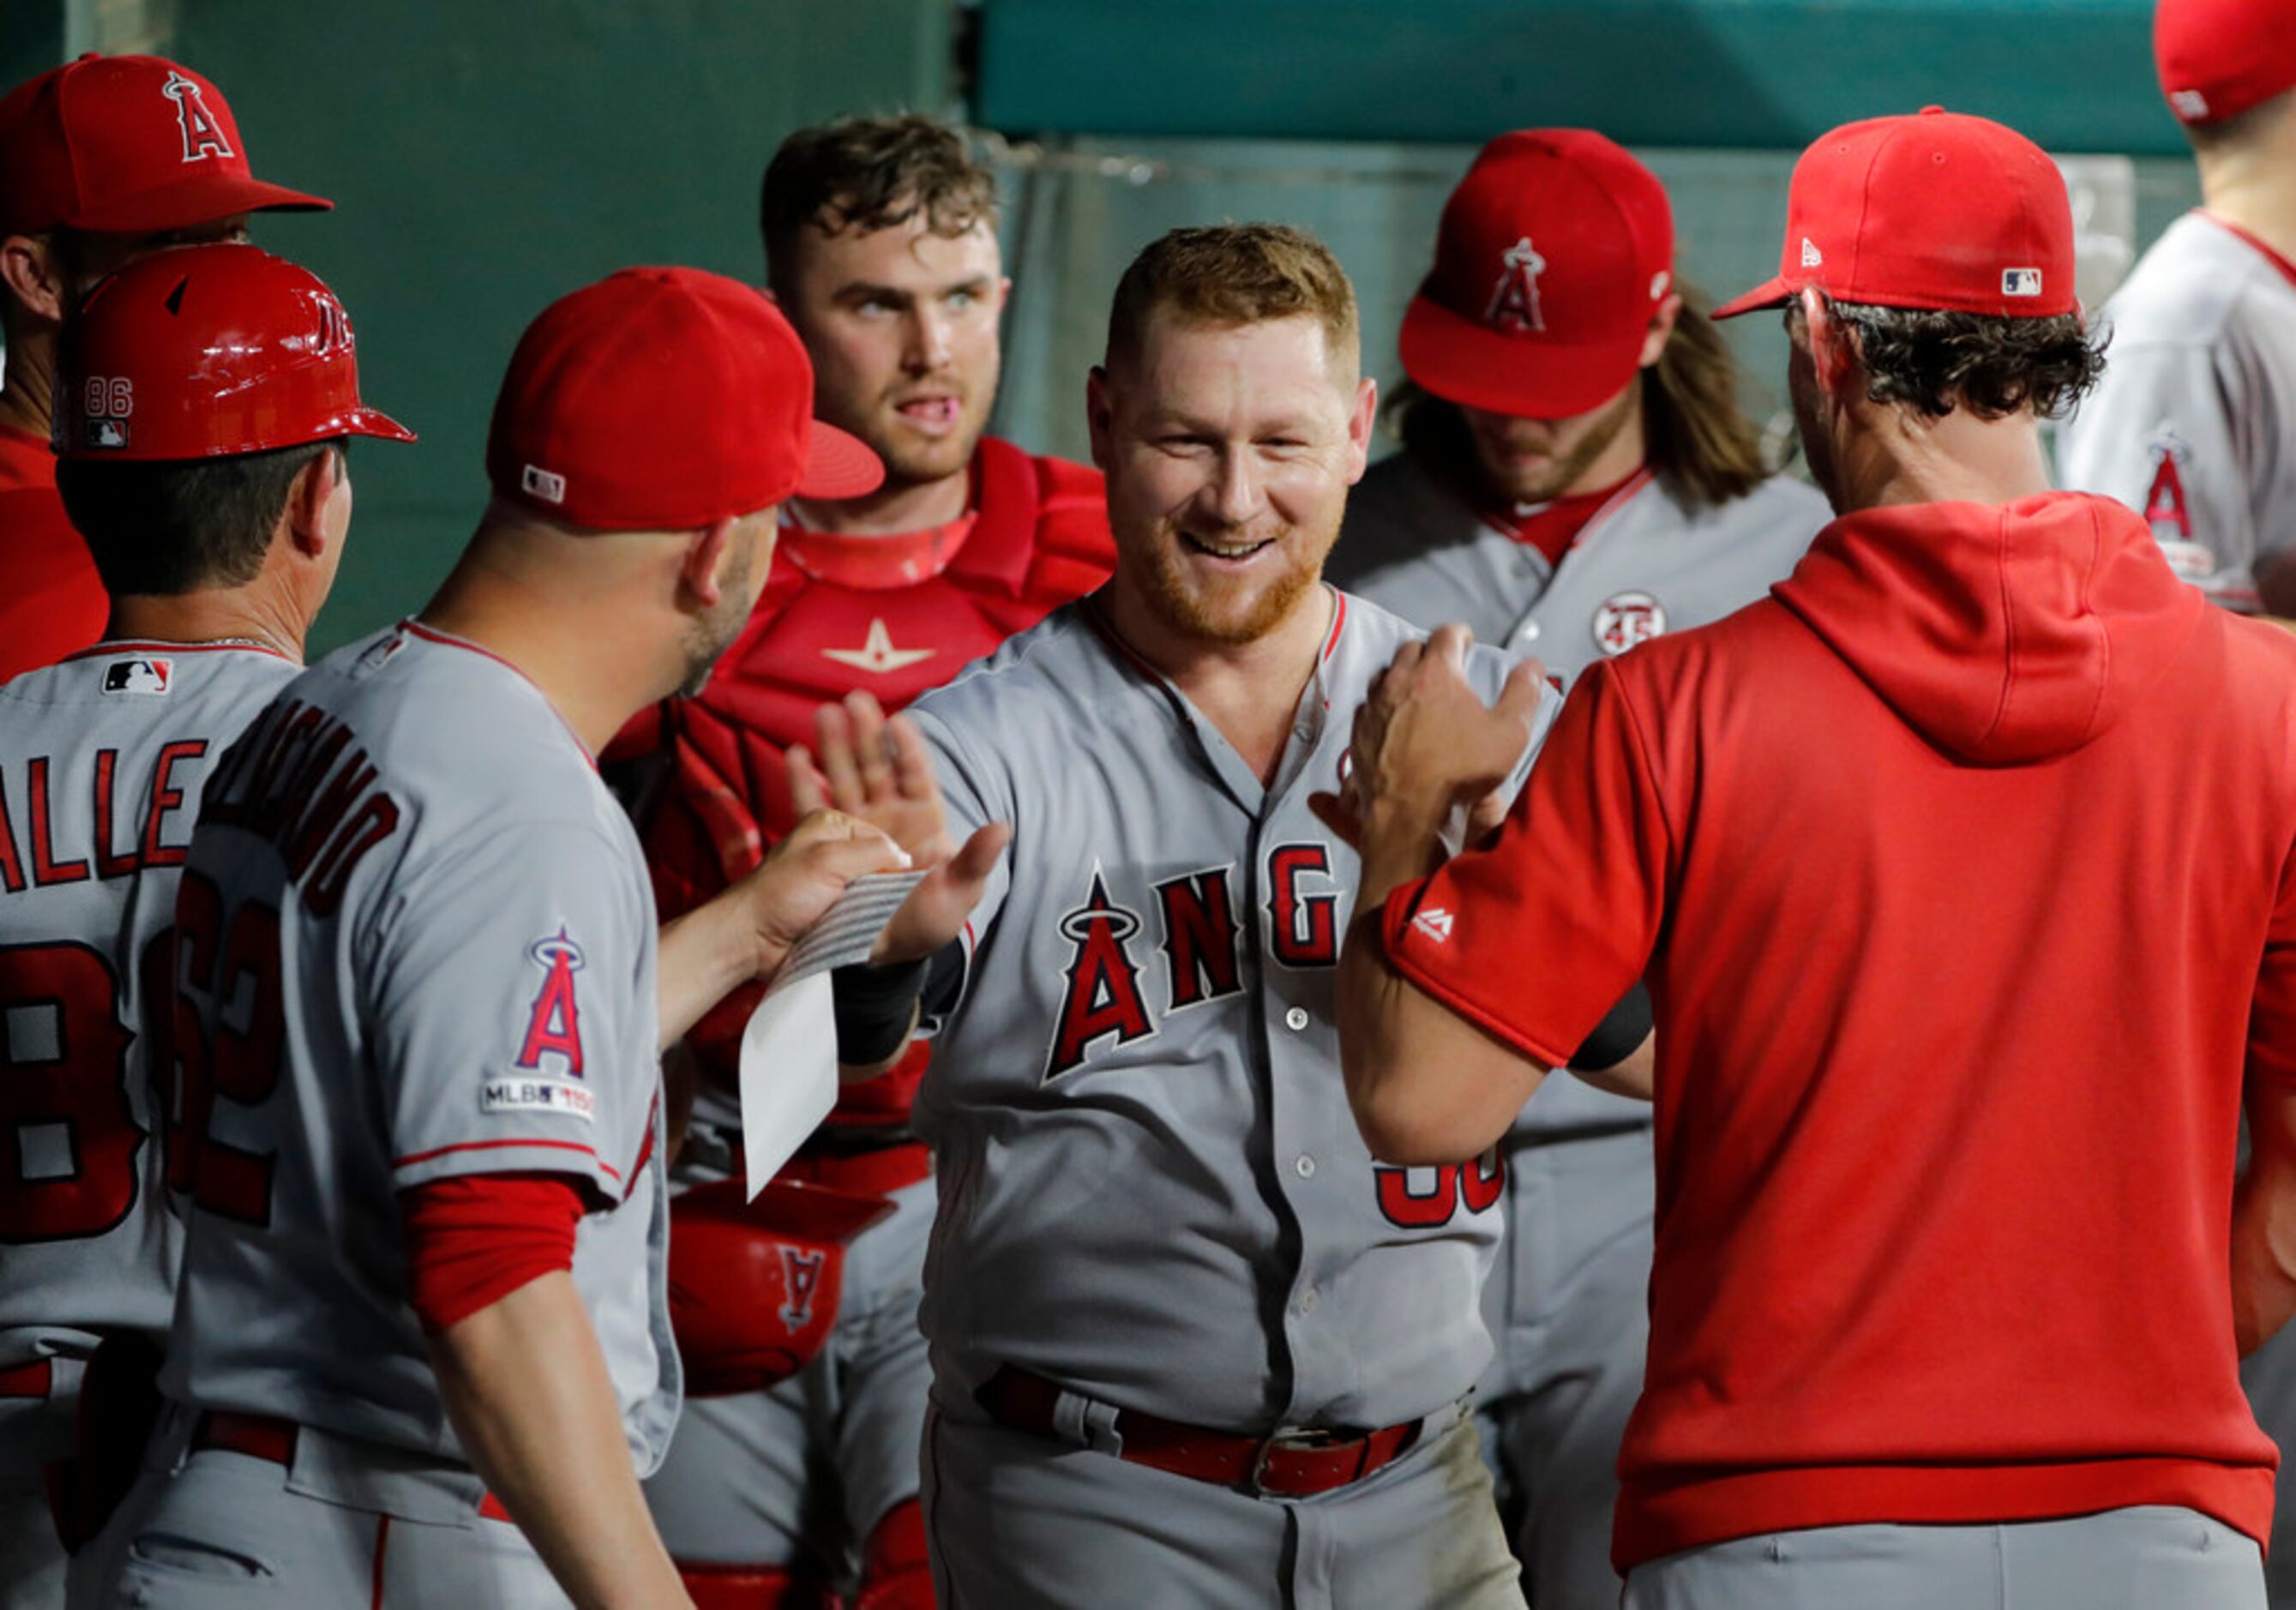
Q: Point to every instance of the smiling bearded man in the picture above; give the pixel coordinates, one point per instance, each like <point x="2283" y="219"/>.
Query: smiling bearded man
<point x="1187" y="1335"/>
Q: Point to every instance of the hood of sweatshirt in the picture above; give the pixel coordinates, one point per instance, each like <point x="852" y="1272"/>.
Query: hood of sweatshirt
<point x="2004" y="634"/>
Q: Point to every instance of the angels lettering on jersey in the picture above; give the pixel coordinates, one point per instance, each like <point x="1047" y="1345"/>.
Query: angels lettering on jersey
<point x="1106" y="998"/>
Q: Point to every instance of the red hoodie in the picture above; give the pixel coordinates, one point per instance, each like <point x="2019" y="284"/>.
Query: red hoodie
<point x="1956" y="869"/>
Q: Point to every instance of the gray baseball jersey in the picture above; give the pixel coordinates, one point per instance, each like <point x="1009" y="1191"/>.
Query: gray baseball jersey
<point x="2190" y="426"/>
<point x="101" y="759"/>
<point x="422" y="938"/>
<point x="1643" y="565"/>
<point x="1153" y="1190"/>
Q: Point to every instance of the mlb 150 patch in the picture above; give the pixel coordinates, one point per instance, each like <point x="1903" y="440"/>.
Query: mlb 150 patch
<point x="523" y="1095"/>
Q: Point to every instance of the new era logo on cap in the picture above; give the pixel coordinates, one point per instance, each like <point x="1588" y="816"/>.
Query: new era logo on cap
<point x="2020" y="282"/>
<point x="1811" y="257"/>
<point x="541" y="483"/>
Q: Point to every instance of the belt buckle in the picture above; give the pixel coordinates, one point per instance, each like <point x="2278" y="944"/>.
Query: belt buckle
<point x="1284" y="1438"/>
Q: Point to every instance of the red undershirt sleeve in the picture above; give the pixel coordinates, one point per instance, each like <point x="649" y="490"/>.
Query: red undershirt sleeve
<point x="1537" y="937"/>
<point x="472" y="1239"/>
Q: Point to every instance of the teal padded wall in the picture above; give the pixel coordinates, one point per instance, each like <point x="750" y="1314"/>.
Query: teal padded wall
<point x="485" y="158"/>
<point x="2076" y="75"/>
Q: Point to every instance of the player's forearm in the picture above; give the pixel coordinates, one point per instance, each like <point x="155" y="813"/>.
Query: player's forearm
<point x="705" y="955"/>
<point x="1426" y="1086"/>
<point x="547" y="1439"/>
<point x="2264" y="1230"/>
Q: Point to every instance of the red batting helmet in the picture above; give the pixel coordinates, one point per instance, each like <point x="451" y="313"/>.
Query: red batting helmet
<point x="207" y="350"/>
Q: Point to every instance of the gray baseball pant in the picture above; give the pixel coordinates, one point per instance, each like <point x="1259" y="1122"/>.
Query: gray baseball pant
<point x="2155" y="1557"/>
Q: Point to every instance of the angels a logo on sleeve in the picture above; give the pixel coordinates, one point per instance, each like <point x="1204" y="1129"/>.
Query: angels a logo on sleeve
<point x="1624" y="619"/>
<point x="202" y="130"/>
<point x="2167" y="509"/>
<point x="1514" y="298"/>
<point x="550" y="1052"/>
<point x="554" y="1023"/>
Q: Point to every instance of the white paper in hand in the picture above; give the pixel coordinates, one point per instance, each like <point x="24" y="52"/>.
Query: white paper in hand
<point x="789" y="1051"/>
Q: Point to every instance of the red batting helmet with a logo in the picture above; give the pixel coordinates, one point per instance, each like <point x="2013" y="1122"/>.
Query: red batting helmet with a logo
<point x="209" y="350"/>
<point x="135" y="144"/>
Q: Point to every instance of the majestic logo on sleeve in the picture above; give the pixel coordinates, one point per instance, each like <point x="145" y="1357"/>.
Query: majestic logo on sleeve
<point x="1102" y="996"/>
<point x="1514" y="298"/>
<point x="151" y="677"/>
<point x="202" y="129"/>
<point x="1627" y="619"/>
<point x="554" y="1023"/>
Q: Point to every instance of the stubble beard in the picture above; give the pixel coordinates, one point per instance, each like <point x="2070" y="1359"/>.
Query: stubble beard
<point x="1223" y="614"/>
<point x="1556" y="480"/>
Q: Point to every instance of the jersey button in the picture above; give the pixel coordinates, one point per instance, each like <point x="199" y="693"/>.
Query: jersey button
<point x="1305" y="1166"/>
<point x="1307" y="1300"/>
<point x="1529" y="633"/>
<point x="1296" y="1019"/>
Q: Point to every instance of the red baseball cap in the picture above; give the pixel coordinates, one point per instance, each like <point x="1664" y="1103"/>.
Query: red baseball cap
<point x="1936" y="211"/>
<point x="134" y="144"/>
<point x="1554" y="251"/>
<point x="207" y="350"/>
<point x="665" y="399"/>
<point x="2219" y="58"/>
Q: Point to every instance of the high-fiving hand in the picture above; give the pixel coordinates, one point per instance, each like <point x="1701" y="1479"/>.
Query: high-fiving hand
<point x="879" y="770"/>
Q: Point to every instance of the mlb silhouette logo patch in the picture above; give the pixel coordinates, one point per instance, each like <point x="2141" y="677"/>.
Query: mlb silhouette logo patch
<point x="154" y="677"/>
<point x="2020" y="282"/>
<point x="541" y="483"/>
<point x="109" y="433"/>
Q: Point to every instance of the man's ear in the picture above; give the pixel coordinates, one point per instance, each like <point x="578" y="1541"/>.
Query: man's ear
<point x="1100" y="415"/>
<point x="1661" y="331"/>
<point x="309" y="496"/>
<point x="1832" y="348"/>
<point x="35" y="274"/>
<point x="700" y="572"/>
<point x="1360" y="424"/>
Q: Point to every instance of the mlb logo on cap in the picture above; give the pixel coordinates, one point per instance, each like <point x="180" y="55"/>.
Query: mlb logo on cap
<point x="139" y="676"/>
<point x="543" y="484"/>
<point x="2020" y="282"/>
<point x="106" y="433"/>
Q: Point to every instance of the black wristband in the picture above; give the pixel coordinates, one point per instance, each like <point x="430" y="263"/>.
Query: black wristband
<point x="874" y="1008"/>
<point x="1623" y="1028"/>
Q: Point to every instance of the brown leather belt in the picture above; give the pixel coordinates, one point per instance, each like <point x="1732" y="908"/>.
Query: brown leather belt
<point x="1286" y="1465"/>
<point x="265" y="1437"/>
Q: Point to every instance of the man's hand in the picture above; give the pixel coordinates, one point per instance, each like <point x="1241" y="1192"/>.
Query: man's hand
<point x="880" y="771"/>
<point x="748" y="932"/>
<point x="1424" y="741"/>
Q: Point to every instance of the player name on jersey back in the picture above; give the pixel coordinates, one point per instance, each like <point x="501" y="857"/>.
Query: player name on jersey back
<point x="103" y="758"/>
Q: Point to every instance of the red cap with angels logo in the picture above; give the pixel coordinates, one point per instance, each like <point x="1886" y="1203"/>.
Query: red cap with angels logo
<point x="1555" y="251"/>
<point x="132" y="145"/>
